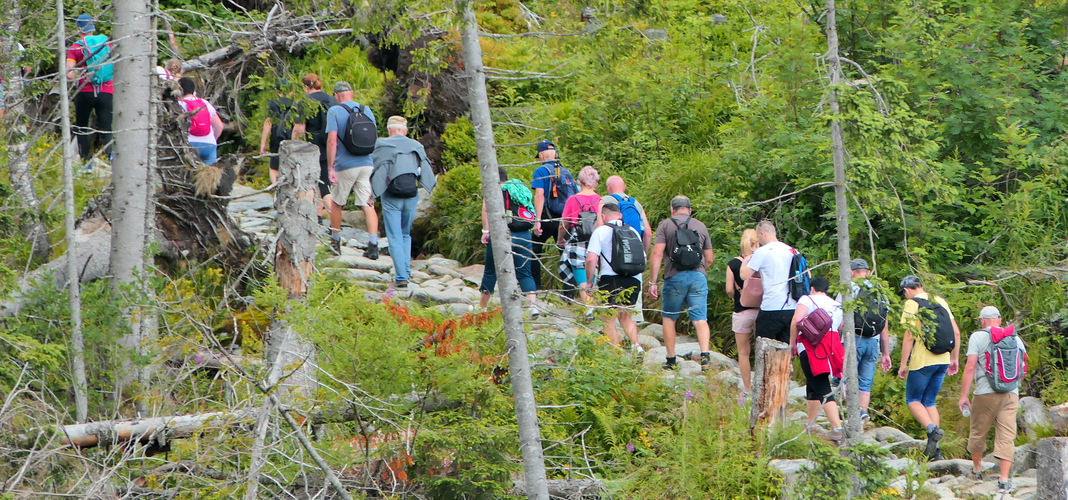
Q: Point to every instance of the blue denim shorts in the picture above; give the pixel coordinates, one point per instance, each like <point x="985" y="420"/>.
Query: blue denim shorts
<point x="691" y="288"/>
<point x="208" y="152"/>
<point x="923" y="385"/>
<point x="867" y="358"/>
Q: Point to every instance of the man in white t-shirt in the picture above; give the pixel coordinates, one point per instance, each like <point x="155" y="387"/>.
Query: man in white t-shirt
<point x="772" y="261"/>
<point x="623" y="290"/>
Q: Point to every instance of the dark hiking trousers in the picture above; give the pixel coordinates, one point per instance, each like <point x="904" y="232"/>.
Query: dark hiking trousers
<point x="85" y="103"/>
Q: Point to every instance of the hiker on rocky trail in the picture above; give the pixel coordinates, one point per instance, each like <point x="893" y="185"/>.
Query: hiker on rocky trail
<point x="580" y="217"/>
<point x="634" y="216"/>
<point x="926" y="363"/>
<point x="91" y="53"/>
<point x="519" y="204"/>
<point x="351" y="134"/>
<point x="615" y="249"/>
<point x="205" y="125"/>
<point x="683" y="245"/>
<point x="313" y="130"/>
<point x="278" y="126"/>
<point x="552" y="185"/>
<point x="743" y="320"/>
<point x="819" y="348"/>
<point x="772" y="261"/>
<point x="401" y="166"/>
<point x="872" y="331"/>
<point x="996" y="362"/>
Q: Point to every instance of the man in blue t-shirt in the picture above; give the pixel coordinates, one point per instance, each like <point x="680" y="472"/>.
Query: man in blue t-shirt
<point x="546" y="225"/>
<point x="348" y="173"/>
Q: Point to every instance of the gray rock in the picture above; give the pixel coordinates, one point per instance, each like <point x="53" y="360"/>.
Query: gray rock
<point x="472" y="274"/>
<point x="887" y="435"/>
<point x="367" y="275"/>
<point x="454" y="283"/>
<point x="797" y="393"/>
<point x="371" y="285"/>
<point x="901" y="464"/>
<point x="730" y="378"/>
<point x="454" y="309"/>
<point x="1058" y="418"/>
<point x="956" y="467"/>
<point x="656" y="356"/>
<point x="254" y="222"/>
<point x="419" y="276"/>
<point x="718" y="19"/>
<point x="656" y="34"/>
<point x="721" y="362"/>
<point x="1032" y="415"/>
<point x="654" y="330"/>
<point x="688" y="350"/>
<point x="432" y="284"/>
<point x="441" y="296"/>
<point x="441" y="270"/>
<point x="791" y="469"/>
<point x="1052" y="468"/>
<point x="648" y="342"/>
<point x="689" y="368"/>
<point x="904" y="447"/>
<point x="438" y="259"/>
<point x="355" y="261"/>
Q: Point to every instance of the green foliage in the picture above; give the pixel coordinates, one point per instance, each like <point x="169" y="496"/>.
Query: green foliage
<point x="830" y="477"/>
<point x="463" y="457"/>
<point x="455" y="229"/>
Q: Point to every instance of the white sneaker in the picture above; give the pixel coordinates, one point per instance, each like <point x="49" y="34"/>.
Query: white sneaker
<point x="534" y="312"/>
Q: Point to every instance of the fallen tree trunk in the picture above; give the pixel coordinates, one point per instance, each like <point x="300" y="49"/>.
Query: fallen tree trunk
<point x="564" y="488"/>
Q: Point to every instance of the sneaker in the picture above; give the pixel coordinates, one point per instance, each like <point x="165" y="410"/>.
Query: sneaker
<point x="836" y="434"/>
<point x="371" y="252"/>
<point x="1006" y="487"/>
<point x="589" y="313"/>
<point x="932" y="443"/>
<point x="975" y="475"/>
<point x="670" y="365"/>
<point x="402" y="284"/>
<point x="638" y="352"/>
<point x="706" y="361"/>
<point x="534" y="312"/>
<point x="864" y="417"/>
<point x="937" y="456"/>
<point x="335" y="246"/>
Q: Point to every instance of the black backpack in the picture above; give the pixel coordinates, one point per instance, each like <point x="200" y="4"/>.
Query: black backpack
<point x="316" y="120"/>
<point x="282" y="122"/>
<point x="628" y="254"/>
<point x="799" y="276"/>
<point x="360" y="133"/>
<point x="587" y="222"/>
<point x="404" y="185"/>
<point x="561" y="187"/>
<point x="521" y="219"/>
<point x="869" y="318"/>
<point x="687" y="253"/>
<point x="936" y="326"/>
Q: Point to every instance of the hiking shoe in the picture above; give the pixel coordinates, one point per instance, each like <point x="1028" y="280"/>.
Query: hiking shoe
<point x="534" y="312"/>
<point x="335" y="246"/>
<point x="836" y="434"/>
<point x="706" y="361"/>
<point x="670" y="365"/>
<point x="589" y="313"/>
<point x="371" y="252"/>
<point x="932" y="443"/>
<point x="639" y="353"/>
<point x="864" y="417"/>
<point x="1006" y="487"/>
<point x="937" y="456"/>
<point x="975" y="475"/>
<point x="402" y="284"/>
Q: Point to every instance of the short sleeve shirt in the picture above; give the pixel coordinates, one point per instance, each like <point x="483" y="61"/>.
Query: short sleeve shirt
<point x="920" y="356"/>
<point x="826" y="303"/>
<point x="338" y="121"/>
<point x="601" y="245"/>
<point x="576" y="203"/>
<point x="665" y="233"/>
<point x="541" y="178"/>
<point x="978" y="343"/>
<point x="76" y="53"/>
<point x="188" y="104"/>
<point x="772" y="261"/>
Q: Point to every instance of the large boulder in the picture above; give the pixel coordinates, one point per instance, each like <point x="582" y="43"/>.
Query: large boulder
<point x="1052" y="469"/>
<point x="654" y="330"/>
<point x="1032" y="415"/>
<point x="1058" y="418"/>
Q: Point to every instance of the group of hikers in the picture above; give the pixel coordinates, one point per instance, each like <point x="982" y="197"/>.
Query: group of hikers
<point x="604" y="242"/>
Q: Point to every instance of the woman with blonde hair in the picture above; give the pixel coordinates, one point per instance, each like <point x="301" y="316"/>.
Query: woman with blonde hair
<point x="743" y="320"/>
<point x="570" y="239"/>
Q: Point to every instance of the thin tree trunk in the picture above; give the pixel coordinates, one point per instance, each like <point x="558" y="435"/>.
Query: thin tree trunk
<point x="74" y="287"/>
<point x="853" y="424"/>
<point x="21" y="178"/>
<point x="526" y="410"/>
<point x="130" y="172"/>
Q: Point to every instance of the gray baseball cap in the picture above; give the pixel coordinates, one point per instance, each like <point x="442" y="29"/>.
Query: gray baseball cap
<point x="858" y="264"/>
<point x="342" y="86"/>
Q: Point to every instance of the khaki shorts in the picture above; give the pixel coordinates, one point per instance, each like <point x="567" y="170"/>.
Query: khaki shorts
<point x="744" y="322"/>
<point x="353" y="180"/>
<point x="998" y="410"/>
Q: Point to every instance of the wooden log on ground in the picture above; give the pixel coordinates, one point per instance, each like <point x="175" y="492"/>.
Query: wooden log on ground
<point x="773" y="370"/>
<point x="576" y="489"/>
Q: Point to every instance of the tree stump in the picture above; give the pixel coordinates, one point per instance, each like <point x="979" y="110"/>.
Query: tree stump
<point x="1052" y="469"/>
<point x="773" y="370"/>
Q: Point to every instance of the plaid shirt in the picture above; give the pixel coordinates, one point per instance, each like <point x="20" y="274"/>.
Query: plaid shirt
<point x="574" y="255"/>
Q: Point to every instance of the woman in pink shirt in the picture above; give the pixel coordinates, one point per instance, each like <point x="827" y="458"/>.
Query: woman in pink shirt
<point x="570" y="239"/>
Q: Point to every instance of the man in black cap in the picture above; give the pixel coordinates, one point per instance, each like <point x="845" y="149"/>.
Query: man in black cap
<point x="870" y="326"/>
<point x="552" y="185"/>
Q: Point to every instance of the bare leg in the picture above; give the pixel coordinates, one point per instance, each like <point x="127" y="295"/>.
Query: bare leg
<point x="865" y="398"/>
<point x="702" y="334"/>
<point x="920" y="413"/>
<point x="371" y="216"/>
<point x="742" y="339"/>
<point x="335" y="217"/>
<point x="274" y="175"/>
<point x="812" y="408"/>
<point x="610" y="330"/>
<point x="830" y="408"/>
<point x="669" y="336"/>
<point x="629" y="326"/>
<point x="484" y="300"/>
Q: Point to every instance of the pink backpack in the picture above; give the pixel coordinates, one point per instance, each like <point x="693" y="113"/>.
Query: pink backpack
<point x="201" y="120"/>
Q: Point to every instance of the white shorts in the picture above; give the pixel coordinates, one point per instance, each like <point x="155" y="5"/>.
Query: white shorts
<point x="356" y="181"/>
<point x="744" y="322"/>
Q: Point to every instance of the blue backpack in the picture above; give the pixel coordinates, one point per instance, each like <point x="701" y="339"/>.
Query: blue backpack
<point x="631" y="216"/>
<point x="97" y="59"/>
<point x="561" y="187"/>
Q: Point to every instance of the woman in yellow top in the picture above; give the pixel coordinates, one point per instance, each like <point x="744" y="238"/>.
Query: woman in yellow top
<point x="925" y="370"/>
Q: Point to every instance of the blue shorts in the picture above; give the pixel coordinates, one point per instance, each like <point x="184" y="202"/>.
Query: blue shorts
<point x="923" y="385"/>
<point x="867" y="358"/>
<point x="208" y="152"/>
<point x="691" y="288"/>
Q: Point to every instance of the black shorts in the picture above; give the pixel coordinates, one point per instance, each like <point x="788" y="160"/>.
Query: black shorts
<point x="324" y="177"/>
<point x="774" y="324"/>
<point x="622" y="290"/>
<point x="817" y="387"/>
<point x="272" y="147"/>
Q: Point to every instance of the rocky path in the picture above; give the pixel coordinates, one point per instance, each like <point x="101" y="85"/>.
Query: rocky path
<point x="444" y="284"/>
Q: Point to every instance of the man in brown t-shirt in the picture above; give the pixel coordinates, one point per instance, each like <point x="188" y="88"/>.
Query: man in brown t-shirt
<point x="684" y="276"/>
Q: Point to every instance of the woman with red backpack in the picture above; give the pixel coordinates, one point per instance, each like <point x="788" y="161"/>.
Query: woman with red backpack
<point x="814" y="337"/>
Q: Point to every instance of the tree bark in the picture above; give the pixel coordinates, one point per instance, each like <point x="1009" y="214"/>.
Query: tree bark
<point x="774" y="367"/>
<point x="854" y="427"/>
<point x="17" y="139"/>
<point x="526" y="411"/>
<point x="130" y="183"/>
<point x="77" y="341"/>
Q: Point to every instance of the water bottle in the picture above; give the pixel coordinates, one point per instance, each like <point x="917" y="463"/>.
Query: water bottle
<point x="966" y="411"/>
